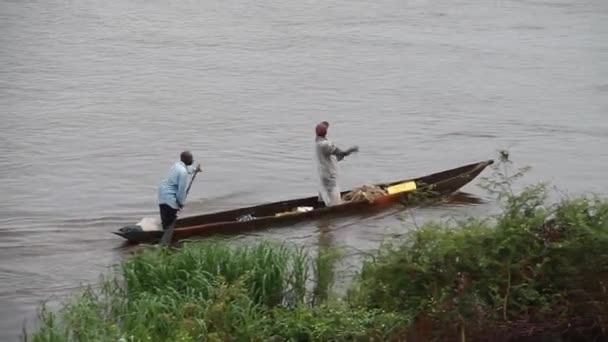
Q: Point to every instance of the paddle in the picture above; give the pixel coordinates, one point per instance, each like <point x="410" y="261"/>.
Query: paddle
<point x="168" y="235"/>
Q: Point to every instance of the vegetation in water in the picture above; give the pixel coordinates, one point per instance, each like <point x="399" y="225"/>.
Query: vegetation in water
<point x="537" y="268"/>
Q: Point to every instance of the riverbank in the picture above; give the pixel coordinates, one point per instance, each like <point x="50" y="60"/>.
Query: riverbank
<point x="537" y="269"/>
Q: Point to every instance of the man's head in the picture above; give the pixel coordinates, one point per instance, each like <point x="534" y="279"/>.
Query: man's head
<point x="186" y="158"/>
<point x="321" y="128"/>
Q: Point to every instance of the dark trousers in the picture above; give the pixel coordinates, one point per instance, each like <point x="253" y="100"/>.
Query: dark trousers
<point x="167" y="215"/>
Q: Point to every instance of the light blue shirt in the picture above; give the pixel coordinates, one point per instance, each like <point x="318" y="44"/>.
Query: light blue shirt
<point x="172" y="190"/>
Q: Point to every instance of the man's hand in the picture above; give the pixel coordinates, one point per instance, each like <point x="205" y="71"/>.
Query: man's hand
<point x="341" y="154"/>
<point x="198" y="168"/>
<point x="352" y="149"/>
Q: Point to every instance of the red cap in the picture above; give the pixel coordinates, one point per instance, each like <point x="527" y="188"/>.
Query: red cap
<point x="321" y="129"/>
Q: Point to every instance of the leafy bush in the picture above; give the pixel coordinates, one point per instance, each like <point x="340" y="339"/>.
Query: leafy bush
<point x="533" y="262"/>
<point x="336" y="321"/>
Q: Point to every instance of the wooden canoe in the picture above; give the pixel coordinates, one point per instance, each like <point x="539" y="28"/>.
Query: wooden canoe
<point x="272" y="214"/>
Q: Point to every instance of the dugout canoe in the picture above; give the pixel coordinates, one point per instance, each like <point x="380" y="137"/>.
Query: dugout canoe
<point x="283" y="213"/>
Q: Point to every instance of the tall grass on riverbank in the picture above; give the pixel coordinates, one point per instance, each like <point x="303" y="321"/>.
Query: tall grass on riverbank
<point x="199" y="290"/>
<point x="212" y="291"/>
<point x="536" y="269"/>
<point x="272" y="274"/>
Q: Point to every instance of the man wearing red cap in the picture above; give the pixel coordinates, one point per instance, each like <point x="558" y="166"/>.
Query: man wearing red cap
<point x="328" y="156"/>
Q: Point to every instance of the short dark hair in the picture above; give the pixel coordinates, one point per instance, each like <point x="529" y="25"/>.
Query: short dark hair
<point x="185" y="156"/>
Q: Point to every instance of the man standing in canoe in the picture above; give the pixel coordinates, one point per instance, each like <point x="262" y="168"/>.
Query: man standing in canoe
<point x="328" y="156"/>
<point x="172" y="191"/>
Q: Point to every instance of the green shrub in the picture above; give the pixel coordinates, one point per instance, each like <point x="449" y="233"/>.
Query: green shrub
<point x="532" y="262"/>
<point x="336" y="321"/>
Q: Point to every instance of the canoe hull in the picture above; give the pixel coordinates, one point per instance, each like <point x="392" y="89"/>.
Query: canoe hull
<point x="435" y="185"/>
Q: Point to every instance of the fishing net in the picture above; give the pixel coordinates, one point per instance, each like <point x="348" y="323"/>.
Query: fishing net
<point x="364" y="193"/>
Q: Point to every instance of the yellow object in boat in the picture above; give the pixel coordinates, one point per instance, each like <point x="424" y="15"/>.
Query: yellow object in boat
<point x="401" y="187"/>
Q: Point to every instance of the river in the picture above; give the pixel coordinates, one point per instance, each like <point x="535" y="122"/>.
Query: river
<point x="98" y="98"/>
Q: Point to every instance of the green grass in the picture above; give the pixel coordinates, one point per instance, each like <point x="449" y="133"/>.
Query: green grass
<point x="212" y="291"/>
<point x="268" y="271"/>
<point x="534" y="266"/>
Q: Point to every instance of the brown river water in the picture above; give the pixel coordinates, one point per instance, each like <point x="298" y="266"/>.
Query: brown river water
<point x="99" y="97"/>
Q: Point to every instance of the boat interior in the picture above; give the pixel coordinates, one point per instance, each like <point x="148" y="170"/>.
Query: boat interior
<point x="308" y="203"/>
